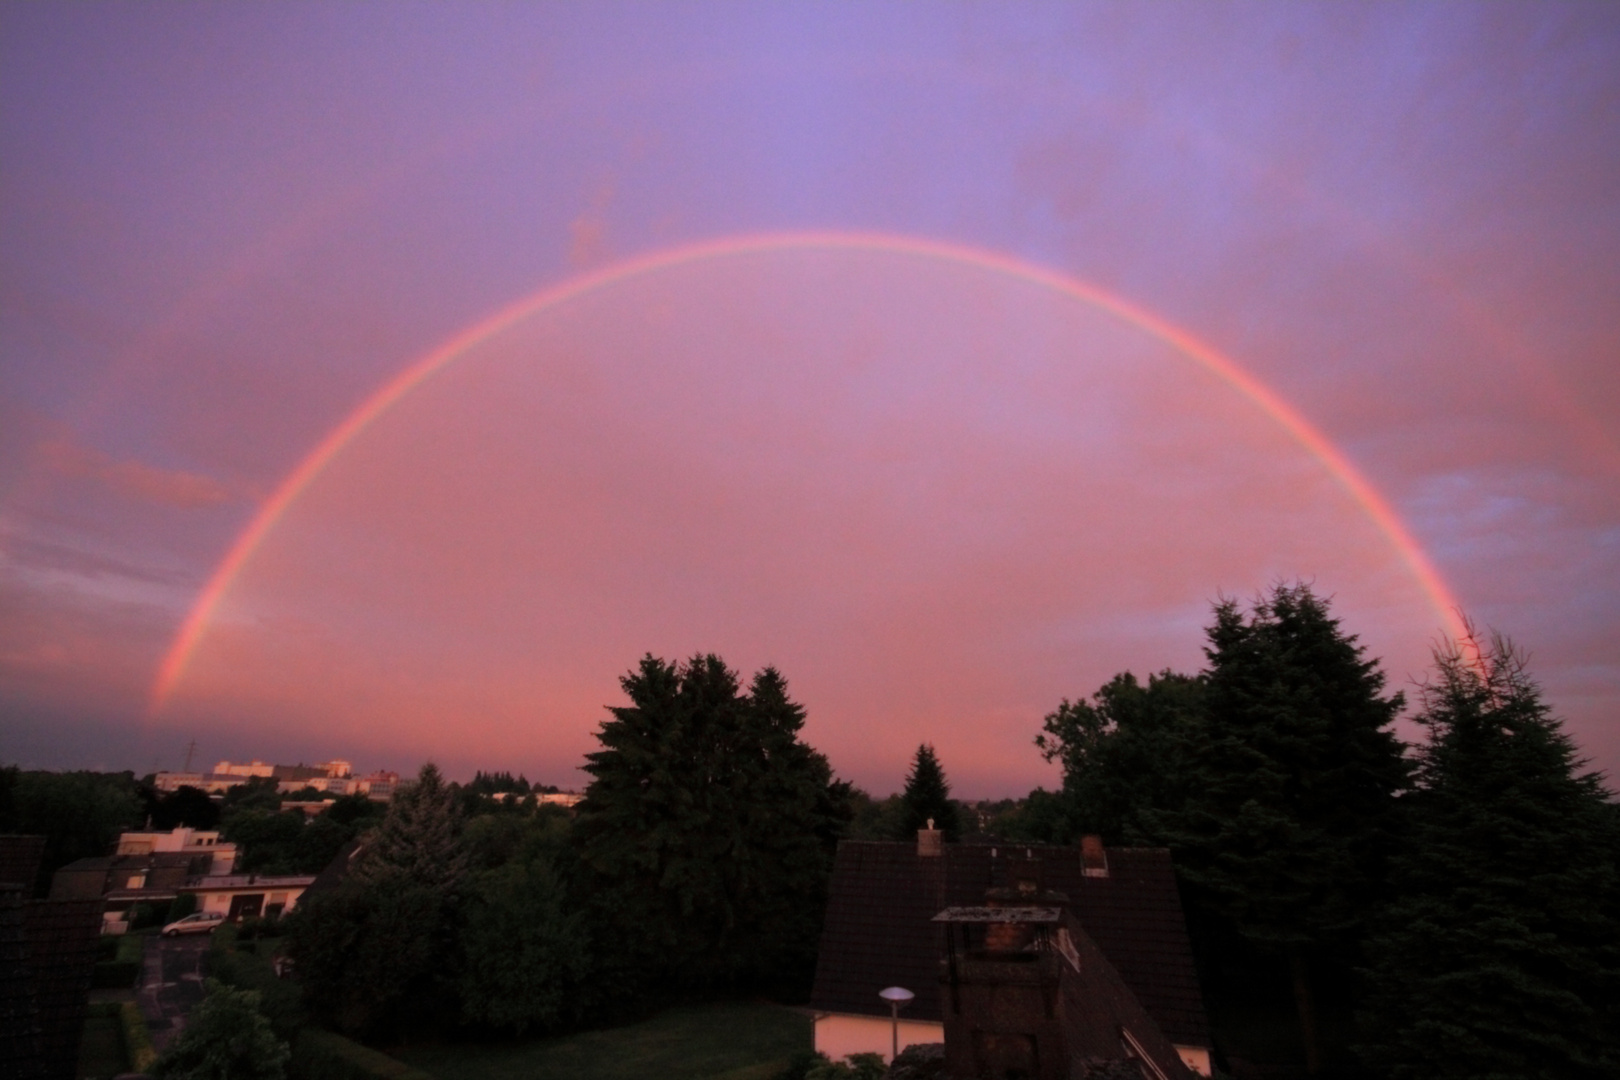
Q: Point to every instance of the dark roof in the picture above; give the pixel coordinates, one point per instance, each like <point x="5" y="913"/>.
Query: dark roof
<point x="62" y="937"/>
<point x="1100" y="1004"/>
<point x="883" y="895"/>
<point x="86" y="878"/>
<point x="19" y="860"/>
<point x="19" y="1016"/>
<point x="336" y="871"/>
<point x="47" y="958"/>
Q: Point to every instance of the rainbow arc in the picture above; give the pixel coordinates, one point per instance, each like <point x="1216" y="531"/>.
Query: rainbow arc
<point x="1308" y="436"/>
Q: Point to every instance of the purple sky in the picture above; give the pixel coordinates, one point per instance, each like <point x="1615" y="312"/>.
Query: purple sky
<point x="939" y="498"/>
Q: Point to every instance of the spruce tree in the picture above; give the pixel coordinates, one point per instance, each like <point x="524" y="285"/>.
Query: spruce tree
<point x="419" y="840"/>
<point x="1499" y="953"/>
<point x="704" y="842"/>
<point x="927" y="796"/>
<point x="1289" y="814"/>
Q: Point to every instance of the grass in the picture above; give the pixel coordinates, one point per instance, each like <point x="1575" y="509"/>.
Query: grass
<point x="711" y="1042"/>
<point x="101" y="1044"/>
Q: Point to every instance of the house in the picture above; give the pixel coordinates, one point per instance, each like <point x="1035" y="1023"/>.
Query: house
<point x="159" y="867"/>
<point x="1119" y="905"/>
<point x="210" y="854"/>
<point x="248" y="896"/>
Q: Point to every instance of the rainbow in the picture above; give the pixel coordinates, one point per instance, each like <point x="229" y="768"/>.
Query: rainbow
<point x="1373" y="504"/>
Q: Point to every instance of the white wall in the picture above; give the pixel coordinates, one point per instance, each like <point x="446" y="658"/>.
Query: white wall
<point x="1195" y="1058"/>
<point x="839" y="1034"/>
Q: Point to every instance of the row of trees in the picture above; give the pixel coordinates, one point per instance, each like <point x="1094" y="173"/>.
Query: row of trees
<point x="1459" y="898"/>
<point x="1464" y="890"/>
<point x="697" y="864"/>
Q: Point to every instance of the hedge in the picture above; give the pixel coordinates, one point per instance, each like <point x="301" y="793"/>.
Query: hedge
<point x="137" y="1040"/>
<point x="323" y="1055"/>
<point x="115" y="975"/>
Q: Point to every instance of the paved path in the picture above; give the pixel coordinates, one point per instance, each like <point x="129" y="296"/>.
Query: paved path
<point x="171" y="983"/>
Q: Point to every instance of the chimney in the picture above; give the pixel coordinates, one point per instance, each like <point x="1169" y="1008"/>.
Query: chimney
<point x="1093" y="858"/>
<point x="930" y="842"/>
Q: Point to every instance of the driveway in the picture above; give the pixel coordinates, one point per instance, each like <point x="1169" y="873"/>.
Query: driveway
<point x="171" y="983"/>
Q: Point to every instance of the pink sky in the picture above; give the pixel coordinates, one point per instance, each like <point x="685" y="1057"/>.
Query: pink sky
<point x="938" y="498"/>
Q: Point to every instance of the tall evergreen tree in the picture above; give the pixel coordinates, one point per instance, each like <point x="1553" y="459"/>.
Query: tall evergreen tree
<point x="1499" y="953"/>
<point x="705" y="840"/>
<point x="375" y="956"/>
<point x="419" y="840"/>
<point x="927" y="796"/>
<point x="1289" y="815"/>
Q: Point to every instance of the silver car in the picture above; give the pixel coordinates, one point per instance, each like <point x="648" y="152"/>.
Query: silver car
<point x="203" y="922"/>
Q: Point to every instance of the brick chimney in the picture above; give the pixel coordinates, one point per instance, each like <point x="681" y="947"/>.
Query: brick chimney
<point x="930" y="842"/>
<point x="1093" y="857"/>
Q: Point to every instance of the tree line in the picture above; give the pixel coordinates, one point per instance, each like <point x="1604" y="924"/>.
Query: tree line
<point x="1455" y="903"/>
<point x="1445" y="909"/>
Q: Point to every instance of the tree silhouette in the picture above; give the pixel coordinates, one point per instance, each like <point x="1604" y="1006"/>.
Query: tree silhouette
<point x="927" y="796"/>
<point x="1499" y="953"/>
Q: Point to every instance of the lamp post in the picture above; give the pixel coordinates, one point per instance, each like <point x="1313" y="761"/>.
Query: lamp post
<point x="896" y="996"/>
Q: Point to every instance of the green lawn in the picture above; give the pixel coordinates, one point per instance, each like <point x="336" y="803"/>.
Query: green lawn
<point x="734" y="1042"/>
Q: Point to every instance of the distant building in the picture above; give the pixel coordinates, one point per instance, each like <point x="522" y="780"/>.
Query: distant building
<point x="544" y="798"/>
<point x="335" y="778"/>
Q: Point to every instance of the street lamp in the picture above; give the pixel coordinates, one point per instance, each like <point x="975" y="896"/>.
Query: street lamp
<point x="896" y="996"/>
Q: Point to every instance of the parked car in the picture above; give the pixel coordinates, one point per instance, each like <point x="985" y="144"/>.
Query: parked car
<point x="203" y="922"/>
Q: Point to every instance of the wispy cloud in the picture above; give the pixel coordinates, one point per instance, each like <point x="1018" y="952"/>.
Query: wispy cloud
<point x="133" y="479"/>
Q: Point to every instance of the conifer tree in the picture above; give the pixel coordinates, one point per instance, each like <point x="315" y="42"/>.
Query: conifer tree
<point x="705" y="839"/>
<point x="1499" y="952"/>
<point x="1289" y="815"/>
<point x="927" y="796"/>
<point x="419" y="840"/>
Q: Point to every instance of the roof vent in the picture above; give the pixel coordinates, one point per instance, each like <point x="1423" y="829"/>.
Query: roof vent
<point x="1093" y="857"/>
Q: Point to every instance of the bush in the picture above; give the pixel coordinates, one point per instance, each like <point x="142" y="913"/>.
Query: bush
<point x="323" y="1055"/>
<point x="183" y="905"/>
<point x="147" y="914"/>
<point x="279" y="999"/>
<point x="115" y="974"/>
<point x="226" y="1037"/>
<point x="853" y="1067"/>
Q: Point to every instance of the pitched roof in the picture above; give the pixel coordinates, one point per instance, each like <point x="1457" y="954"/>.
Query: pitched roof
<point x="62" y="937"/>
<point x="883" y="895"/>
<point x="19" y="1016"/>
<point x="19" y="860"/>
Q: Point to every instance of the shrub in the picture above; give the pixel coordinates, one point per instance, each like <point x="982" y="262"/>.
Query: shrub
<point x="854" y="1067"/>
<point x="115" y="975"/>
<point x="151" y="913"/>
<point x="226" y="1037"/>
<point x="279" y="999"/>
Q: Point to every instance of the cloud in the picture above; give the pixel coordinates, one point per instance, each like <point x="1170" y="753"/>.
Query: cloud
<point x="587" y="233"/>
<point x="134" y="480"/>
